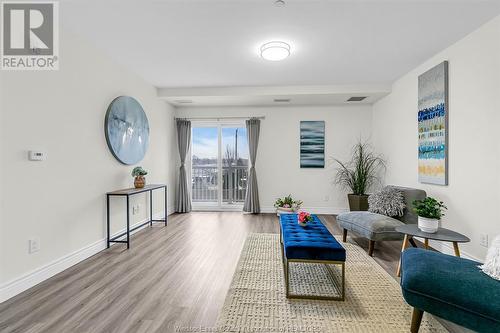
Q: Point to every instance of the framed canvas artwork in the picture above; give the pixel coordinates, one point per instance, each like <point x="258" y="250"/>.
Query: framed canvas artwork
<point x="433" y="125"/>
<point x="312" y="144"/>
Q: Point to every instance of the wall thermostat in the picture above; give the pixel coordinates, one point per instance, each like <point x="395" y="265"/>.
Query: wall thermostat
<point x="35" y="155"/>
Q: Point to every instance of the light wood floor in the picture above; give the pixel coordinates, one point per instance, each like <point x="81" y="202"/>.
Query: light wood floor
<point x="173" y="276"/>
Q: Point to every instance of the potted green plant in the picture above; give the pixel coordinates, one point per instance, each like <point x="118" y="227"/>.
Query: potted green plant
<point x="287" y="205"/>
<point x="359" y="174"/>
<point x="429" y="211"/>
<point x="139" y="180"/>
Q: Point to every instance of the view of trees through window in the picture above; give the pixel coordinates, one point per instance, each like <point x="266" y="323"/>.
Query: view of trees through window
<point x="206" y="168"/>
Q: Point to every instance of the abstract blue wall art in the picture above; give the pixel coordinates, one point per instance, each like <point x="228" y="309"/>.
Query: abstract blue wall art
<point x="312" y="144"/>
<point x="127" y="130"/>
<point x="433" y="125"/>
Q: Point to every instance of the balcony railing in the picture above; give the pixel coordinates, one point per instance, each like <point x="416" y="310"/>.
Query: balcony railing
<point x="205" y="184"/>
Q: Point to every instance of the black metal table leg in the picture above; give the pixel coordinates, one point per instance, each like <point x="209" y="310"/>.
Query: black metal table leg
<point x="128" y="223"/>
<point x="151" y="208"/>
<point x="107" y="221"/>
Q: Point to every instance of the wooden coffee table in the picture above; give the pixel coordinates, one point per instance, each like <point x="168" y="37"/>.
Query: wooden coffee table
<point x="443" y="234"/>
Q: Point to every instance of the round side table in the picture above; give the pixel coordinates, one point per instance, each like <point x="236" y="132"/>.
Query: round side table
<point x="444" y="235"/>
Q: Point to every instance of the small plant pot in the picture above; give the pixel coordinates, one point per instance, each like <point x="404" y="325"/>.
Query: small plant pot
<point x="428" y="225"/>
<point x="303" y="224"/>
<point x="139" y="181"/>
<point x="358" y="202"/>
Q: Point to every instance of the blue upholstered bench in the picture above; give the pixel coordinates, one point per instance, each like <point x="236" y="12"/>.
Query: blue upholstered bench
<point x="310" y="244"/>
<point x="451" y="288"/>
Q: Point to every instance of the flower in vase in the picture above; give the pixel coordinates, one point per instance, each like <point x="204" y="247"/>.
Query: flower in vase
<point x="304" y="217"/>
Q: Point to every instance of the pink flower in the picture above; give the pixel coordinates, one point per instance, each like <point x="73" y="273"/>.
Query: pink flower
<point x="304" y="217"/>
<point x="286" y="206"/>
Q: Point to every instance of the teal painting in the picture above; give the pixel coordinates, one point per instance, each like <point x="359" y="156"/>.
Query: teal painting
<point x="312" y="144"/>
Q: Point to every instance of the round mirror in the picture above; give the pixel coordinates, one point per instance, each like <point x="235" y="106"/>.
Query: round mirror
<point x="127" y="130"/>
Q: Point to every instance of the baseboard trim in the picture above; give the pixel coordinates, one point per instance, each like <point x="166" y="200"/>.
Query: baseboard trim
<point x="31" y="279"/>
<point x="238" y="208"/>
<point x="447" y="248"/>
<point x="314" y="210"/>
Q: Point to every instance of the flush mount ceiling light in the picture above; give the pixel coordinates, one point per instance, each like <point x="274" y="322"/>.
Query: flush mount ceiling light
<point x="275" y="51"/>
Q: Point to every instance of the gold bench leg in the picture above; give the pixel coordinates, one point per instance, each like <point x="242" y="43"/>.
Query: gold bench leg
<point x="315" y="297"/>
<point x="287" y="279"/>
<point x="285" y="268"/>
<point x="286" y="273"/>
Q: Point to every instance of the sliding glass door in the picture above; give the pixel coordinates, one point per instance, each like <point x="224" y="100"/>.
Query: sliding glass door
<point x="234" y="165"/>
<point x="219" y="159"/>
<point x="205" y="167"/>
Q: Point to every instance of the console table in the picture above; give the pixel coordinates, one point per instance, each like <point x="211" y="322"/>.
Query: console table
<point x="127" y="193"/>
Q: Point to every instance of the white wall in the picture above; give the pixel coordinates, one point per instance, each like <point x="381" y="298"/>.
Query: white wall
<point x="278" y="169"/>
<point x="62" y="200"/>
<point x="474" y="150"/>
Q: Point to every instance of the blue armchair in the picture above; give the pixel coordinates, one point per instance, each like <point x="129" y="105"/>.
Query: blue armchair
<point x="452" y="288"/>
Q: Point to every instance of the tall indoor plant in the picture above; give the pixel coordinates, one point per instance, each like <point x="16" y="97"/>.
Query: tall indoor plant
<point x="359" y="174"/>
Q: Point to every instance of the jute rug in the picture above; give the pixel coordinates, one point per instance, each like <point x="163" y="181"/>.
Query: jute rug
<point x="256" y="300"/>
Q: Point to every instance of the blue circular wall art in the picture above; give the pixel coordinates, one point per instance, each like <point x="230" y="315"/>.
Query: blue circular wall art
<point x="127" y="130"/>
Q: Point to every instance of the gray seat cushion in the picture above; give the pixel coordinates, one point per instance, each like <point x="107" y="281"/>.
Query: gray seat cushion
<point x="378" y="227"/>
<point x="373" y="226"/>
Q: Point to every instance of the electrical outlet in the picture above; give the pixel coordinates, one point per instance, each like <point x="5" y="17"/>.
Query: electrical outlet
<point x="483" y="240"/>
<point x="327" y="198"/>
<point x="34" y="245"/>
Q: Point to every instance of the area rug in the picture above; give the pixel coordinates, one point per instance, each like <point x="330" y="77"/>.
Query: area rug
<point x="256" y="300"/>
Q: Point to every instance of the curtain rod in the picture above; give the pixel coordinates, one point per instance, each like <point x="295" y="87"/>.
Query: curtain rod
<point x="218" y="118"/>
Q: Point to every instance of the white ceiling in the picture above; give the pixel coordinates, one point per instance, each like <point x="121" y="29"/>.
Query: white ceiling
<point x="189" y="43"/>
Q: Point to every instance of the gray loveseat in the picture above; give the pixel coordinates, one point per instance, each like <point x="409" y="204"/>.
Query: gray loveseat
<point x="378" y="227"/>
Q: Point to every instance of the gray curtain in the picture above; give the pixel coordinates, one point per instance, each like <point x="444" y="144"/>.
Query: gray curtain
<point x="252" y="204"/>
<point x="183" y="199"/>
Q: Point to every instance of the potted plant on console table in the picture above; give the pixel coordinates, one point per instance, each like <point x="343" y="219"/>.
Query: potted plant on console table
<point x="139" y="180"/>
<point x="359" y="174"/>
<point x="429" y="212"/>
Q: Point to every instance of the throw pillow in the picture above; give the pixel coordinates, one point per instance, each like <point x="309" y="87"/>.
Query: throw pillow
<point x="492" y="263"/>
<point x="389" y="201"/>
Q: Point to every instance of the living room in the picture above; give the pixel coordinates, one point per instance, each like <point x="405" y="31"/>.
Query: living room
<point x="98" y="236"/>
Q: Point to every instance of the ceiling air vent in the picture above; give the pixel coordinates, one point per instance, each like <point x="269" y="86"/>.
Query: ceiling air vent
<point x="183" y="101"/>
<point x="282" y="100"/>
<point x="356" y="98"/>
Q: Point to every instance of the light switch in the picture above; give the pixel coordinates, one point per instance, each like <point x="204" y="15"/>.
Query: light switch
<point x="34" y="245"/>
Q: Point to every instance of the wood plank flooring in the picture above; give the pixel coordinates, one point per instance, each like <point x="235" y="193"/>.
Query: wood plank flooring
<point x="171" y="277"/>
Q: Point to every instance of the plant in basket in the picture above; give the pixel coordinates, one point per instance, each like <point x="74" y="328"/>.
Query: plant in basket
<point x="287" y="205"/>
